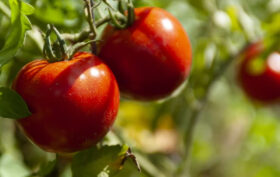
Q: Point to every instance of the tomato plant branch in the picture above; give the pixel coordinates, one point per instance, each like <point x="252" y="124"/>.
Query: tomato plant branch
<point x="61" y="42"/>
<point x="109" y="5"/>
<point x="47" y="51"/>
<point x="131" y="14"/>
<point x="77" y="47"/>
<point x="194" y="117"/>
<point x="90" y="17"/>
<point x="93" y="44"/>
<point x="78" y="37"/>
<point x="113" y="16"/>
<point x="121" y="6"/>
<point x="115" y="20"/>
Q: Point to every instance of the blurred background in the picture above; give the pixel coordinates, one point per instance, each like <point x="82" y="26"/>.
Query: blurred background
<point x="233" y="136"/>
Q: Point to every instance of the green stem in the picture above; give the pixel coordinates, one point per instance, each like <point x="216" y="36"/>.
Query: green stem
<point x="48" y="47"/>
<point x="103" y="21"/>
<point x="93" y="44"/>
<point x="78" y="47"/>
<point x="183" y="167"/>
<point x="121" y="6"/>
<point x="115" y="21"/>
<point x="78" y="37"/>
<point x="131" y="13"/>
<point x="109" y="5"/>
<point x="95" y="5"/>
<point x="90" y="19"/>
<point x="74" y="38"/>
<point x="62" y="44"/>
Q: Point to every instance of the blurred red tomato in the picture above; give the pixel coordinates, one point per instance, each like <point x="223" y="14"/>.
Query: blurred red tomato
<point x="260" y="78"/>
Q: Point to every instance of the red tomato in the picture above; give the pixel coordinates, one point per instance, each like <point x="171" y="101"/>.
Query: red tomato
<point x="151" y="58"/>
<point x="263" y="84"/>
<point x="73" y="103"/>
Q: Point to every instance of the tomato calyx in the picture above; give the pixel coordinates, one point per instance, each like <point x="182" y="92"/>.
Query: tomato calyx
<point x="130" y="13"/>
<point x="59" y="51"/>
<point x="126" y="10"/>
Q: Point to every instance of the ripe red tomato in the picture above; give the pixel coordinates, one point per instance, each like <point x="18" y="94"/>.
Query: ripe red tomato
<point x="73" y="103"/>
<point x="151" y="58"/>
<point x="261" y="84"/>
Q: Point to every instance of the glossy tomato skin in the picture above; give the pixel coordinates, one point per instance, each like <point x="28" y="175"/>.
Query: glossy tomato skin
<point x="264" y="86"/>
<point x="73" y="103"/>
<point x="151" y="58"/>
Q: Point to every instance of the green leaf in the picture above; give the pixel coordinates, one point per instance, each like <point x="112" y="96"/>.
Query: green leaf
<point x="12" y="105"/>
<point x="103" y="162"/>
<point x="60" y="13"/>
<point x="20" y="24"/>
<point x="27" y="9"/>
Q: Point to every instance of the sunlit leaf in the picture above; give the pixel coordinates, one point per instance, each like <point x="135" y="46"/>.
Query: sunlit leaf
<point x="19" y="25"/>
<point x="103" y="162"/>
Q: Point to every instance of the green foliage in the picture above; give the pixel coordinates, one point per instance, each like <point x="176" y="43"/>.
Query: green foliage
<point x="65" y="13"/>
<point x="12" y="105"/>
<point x="19" y="25"/>
<point x="103" y="162"/>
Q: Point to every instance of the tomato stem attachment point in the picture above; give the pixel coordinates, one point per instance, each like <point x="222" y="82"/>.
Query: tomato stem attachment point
<point x="115" y="21"/>
<point x="121" y="6"/>
<point x="62" y="43"/>
<point x="47" y="50"/>
<point x="90" y="15"/>
<point x="109" y="5"/>
<point x="79" y="46"/>
<point x="59" y="51"/>
<point x="89" y="6"/>
<point x="131" y="13"/>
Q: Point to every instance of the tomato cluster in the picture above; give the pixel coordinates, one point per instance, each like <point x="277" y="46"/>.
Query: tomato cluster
<point x="74" y="103"/>
<point x="259" y="77"/>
